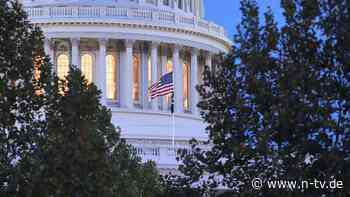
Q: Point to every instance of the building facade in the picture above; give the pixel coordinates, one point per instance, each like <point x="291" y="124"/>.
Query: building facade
<point x="124" y="46"/>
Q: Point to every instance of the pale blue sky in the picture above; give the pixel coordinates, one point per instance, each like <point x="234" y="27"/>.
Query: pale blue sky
<point x="227" y="12"/>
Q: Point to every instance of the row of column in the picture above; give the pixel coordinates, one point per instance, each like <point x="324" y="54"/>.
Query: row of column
<point x="126" y="72"/>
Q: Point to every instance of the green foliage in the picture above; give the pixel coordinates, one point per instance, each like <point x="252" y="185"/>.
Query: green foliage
<point x="74" y="155"/>
<point x="177" y="185"/>
<point x="20" y="104"/>
<point x="56" y="139"/>
<point x="277" y="106"/>
<point x="83" y="154"/>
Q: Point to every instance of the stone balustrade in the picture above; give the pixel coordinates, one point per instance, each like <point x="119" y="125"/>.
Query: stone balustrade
<point x="132" y="14"/>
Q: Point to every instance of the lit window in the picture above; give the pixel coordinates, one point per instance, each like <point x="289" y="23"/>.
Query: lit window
<point x="111" y="77"/>
<point x="62" y="66"/>
<point x="86" y="66"/>
<point x="186" y="86"/>
<point x="38" y="61"/>
<point x="136" y="79"/>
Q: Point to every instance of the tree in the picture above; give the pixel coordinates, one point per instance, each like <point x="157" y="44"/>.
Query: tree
<point x="277" y="106"/>
<point x="56" y="139"/>
<point x="83" y="154"/>
<point x="21" y="95"/>
<point x="176" y="185"/>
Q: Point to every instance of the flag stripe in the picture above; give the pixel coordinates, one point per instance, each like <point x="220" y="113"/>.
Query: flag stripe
<point x="162" y="90"/>
<point x="163" y="93"/>
<point x="162" y="87"/>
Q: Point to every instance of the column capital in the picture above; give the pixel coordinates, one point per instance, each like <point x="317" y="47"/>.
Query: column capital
<point x="208" y="53"/>
<point x="129" y="43"/>
<point x="144" y="46"/>
<point x="49" y="42"/>
<point x="103" y="41"/>
<point x="195" y="51"/>
<point x="75" y="40"/>
<point x="176" y="47"/>
<point x="155" y="44"/>
<point x="165" y="49"/>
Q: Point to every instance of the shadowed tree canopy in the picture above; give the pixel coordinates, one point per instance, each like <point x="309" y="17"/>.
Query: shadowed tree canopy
<point x="22" y="95"/>
<point x="278" y="106"/>
<point x="56" y="139"/>
<point x="83" y="154"/>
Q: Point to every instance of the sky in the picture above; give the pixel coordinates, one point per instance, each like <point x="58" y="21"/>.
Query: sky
<point x="227" y="12"/>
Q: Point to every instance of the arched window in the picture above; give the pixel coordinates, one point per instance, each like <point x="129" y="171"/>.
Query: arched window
<point x="87" y="66"/>
<point x="186" y="73"/>
<point x="111" y="77"/>
<point x="62" y="66"/>
<point x="136" y="79"/>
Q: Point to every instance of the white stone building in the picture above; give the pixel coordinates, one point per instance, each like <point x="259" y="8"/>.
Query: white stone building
<point x="124" y="46"/>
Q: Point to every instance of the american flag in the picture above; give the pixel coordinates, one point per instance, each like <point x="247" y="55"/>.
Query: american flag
<point x="163" y="87"/>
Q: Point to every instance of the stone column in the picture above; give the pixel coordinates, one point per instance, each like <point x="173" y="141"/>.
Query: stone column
<point x="144" y="75"/>
<point x="101" y="69"/>
<point x="75" y="52"/>
<point x="194" y="96"/>
<point x="164" y="61"/>
<point x="154" y="63"/>
<point x="193" y="6"/>
<point x="50" y="53"/>
<point x="126" y="76"/>
<point x="178" y="80"/>
<point x="197" y="8"/>
<point x="186" y="4"/>
<point x="47" y="47"/>
<point x="208" y="60"/>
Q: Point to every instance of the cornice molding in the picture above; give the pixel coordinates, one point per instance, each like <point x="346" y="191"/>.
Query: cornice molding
<point x="227" y="43"/>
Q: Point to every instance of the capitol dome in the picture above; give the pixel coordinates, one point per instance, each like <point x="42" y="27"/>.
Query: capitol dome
<point x="124" y="46"/>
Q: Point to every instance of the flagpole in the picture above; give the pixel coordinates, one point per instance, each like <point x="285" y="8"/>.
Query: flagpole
<point x="163" y="87"/>
<point x="173" y="125"/>
<point x="173" y="121"/>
